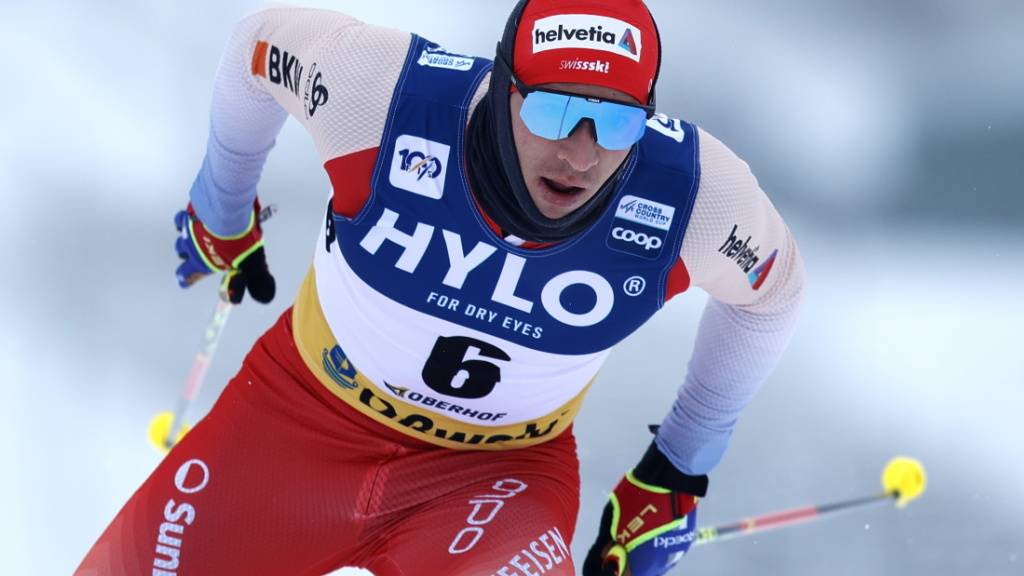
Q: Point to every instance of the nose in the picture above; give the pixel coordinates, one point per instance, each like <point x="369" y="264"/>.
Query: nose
<point x="579" y="149"/>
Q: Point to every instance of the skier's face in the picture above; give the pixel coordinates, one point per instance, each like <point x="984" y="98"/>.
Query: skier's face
<point x="561" y="175"/>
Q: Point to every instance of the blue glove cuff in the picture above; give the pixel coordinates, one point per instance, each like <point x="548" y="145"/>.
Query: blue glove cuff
<point x="193" y="266"/>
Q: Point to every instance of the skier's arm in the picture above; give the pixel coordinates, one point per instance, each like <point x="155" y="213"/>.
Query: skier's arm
<point x="732" y="241"/>
<point x="730" y="251"/>
<point x="331" y="72"/>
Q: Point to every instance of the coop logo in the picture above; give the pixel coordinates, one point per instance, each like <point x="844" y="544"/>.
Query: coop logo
<point x="418" y="166"/>
<point x="436" y="57"/>
<point x="285" y="70"/>
<point x="649" y="242"/>
<point x="645" y="244"/>
<point x="190" y="478"/>
<point x="747" y="258"/>
<point x="587" y="31"/>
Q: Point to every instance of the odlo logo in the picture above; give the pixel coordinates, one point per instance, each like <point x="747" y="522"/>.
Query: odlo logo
<point x="418" y="166"/>
<point x="191" y="478"/>
<point x="649" y="242"/>
<point x="485" y="509"/>
<point x="316" y="94"/>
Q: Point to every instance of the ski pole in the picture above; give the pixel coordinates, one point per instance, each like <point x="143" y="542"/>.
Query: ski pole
<point x="903" y="480"/>
<point x="168" y="428"/>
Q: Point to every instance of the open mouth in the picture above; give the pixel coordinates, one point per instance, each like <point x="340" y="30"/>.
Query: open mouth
<point x="561" y="188"/>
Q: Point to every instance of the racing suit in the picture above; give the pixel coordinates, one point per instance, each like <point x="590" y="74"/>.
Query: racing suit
<point x="411" y="413"/>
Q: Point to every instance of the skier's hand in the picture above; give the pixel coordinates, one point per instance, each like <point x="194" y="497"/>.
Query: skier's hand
<point x="241" y="257"/>
<point x="648" y="522"/>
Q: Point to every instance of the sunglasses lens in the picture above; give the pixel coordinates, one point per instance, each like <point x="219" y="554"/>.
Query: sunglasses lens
<point x="543" y="113"/>
<point x="554" y="116"/>
<point x="619" y="127"/>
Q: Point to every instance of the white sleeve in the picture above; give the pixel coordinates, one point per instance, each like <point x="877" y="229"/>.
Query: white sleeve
<point x="738" y="249"/>
<point x="331" y="72"/>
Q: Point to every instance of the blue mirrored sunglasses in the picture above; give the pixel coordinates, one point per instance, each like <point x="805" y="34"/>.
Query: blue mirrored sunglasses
<point x="554" y="115"/>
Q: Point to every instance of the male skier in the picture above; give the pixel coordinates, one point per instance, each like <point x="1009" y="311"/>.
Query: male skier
<point x="494" y="229"/>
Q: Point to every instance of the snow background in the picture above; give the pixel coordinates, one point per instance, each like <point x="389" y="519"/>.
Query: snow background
<point x="890" y="136"/>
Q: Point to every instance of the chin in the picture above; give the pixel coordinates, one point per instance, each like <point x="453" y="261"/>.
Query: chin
<point x="554" y="211"/>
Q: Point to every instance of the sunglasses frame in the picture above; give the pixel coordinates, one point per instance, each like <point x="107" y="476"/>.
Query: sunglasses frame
<point x="525" y="89"/>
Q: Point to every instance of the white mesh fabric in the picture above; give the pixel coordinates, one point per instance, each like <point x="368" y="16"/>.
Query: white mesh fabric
<point x="729" y="195"/>
<point x="360" y="65"/>
<point x="743" y="331"/>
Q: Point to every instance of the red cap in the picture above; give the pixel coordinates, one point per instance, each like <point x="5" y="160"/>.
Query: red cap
<point x="611" y="43"/>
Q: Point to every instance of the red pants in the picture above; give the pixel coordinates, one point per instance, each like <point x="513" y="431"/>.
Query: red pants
<point x="284" y="478"/>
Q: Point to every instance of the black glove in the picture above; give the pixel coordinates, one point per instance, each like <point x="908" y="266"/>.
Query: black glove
<point x="241" y="257"/>
<point x="649" y="520"/>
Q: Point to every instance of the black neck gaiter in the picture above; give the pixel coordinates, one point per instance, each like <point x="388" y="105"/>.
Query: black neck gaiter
<point x="504" y="197"/>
